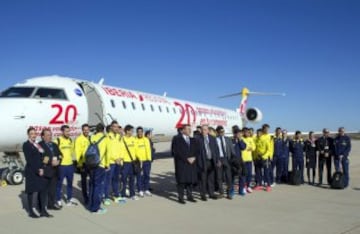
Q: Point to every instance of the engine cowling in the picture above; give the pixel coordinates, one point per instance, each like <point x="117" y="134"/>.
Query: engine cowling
<point x="253" y="115"/>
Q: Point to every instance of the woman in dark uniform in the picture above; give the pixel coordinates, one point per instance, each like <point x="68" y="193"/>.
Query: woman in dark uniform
<point x="310" y="151"/>
<point x="34" y="174"/>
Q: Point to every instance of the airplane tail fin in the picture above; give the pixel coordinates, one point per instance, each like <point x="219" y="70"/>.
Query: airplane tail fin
<point x="245" y="93"/>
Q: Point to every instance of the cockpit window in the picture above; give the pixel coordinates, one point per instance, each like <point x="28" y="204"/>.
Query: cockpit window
<point x="50" y="93"/>
<point x="17" y="92"/>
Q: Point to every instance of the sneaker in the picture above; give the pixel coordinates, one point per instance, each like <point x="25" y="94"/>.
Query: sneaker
<point x="242" y="192"/>
<point x="59" y="203"/>
<point x="107" y="202"/>
<point x="120" y="200"/>
<point x="273" y="185"/>
<point x="134" y="198"/>
<point x="258" y="188"/>
<point x="141" y="194"/>
<point x="148" y="193"/>
<point x="249" y="190"/>
<point x="268" y="189"/>
<point x="71" y="202"/>
<point x="101" y="211"/>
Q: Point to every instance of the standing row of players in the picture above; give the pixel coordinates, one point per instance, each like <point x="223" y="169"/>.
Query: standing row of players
<point x="49" y="163"/>
<point x="210" y="158"/>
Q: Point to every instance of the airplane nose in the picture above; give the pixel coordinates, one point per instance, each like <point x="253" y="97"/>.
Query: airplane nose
<point x="12" y="124"/>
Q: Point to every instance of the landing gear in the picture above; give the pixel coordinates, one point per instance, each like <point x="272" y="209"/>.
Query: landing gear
<point x="14" y="173"/>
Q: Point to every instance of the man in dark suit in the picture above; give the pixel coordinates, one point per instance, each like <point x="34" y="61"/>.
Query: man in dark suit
<point x="226" y="152"/>
<point x="51" y="160"/>
<point x="207" y="163"/>
<point x="185" y="151"/>
<point x="325" y="146"/>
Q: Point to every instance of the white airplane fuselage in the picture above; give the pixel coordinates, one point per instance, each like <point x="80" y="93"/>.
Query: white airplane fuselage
<point x="52" y="101"/>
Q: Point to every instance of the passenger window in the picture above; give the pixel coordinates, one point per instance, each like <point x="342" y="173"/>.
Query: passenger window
<point x="174" y="110"/>
<point x="152" y="107"/>
<point x="112" y="103"/>
<point x="124" y="104"/>
<point x="160" y="109"/>
<point x="133" y="105"/>
<point x="143" y="106"/>
<point x="167" y="109"/>
<point x="51" y="93"/>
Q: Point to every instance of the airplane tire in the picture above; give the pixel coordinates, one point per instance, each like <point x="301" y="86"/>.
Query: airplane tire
<point x="16" y="177"/>
<point x="4" y="174"/>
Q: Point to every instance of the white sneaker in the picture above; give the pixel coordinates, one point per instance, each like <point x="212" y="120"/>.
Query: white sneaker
<point x="71" y="202"/>
<point x="141" y="194"/>
<point x="249" y="190"/>
<point x="272" y="185"/>
<point x="148" y="193"/>
<point x="59" y="203"/>
<point x="134" y="198"/>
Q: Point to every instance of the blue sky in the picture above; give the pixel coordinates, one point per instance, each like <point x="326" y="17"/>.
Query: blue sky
<point x="198" y="50"/>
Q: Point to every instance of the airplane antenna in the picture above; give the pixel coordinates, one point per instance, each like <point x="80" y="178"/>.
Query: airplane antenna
<point x="165" y="94"/>
<point x="101" y="81"/>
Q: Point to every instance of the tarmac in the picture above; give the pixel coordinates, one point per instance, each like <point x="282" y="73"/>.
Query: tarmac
<point x="287" y="209"/>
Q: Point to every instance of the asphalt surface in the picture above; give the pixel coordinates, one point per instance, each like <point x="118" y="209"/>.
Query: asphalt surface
<point x="287" y="209"/>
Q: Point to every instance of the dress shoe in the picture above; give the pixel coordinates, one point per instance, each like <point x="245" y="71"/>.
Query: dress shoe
<point x="214" y="197"/>
<point x="46" y="214"/>
<point x="33" y="215"/>
<point x="181" y="201"/>
<point x="203" y="198"/>
<point x="191" y="199"/>
<point x="54" y="208"/>
<point x="229" y="197"/>
<point x="221" y="195"/>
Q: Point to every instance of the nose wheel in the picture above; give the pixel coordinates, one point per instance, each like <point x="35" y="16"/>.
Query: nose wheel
<point x="14" y="173"/>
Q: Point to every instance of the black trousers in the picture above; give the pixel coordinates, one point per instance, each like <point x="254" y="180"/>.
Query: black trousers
<point x="41" y="198"/>
<point x="181" y="188"/>
<point x="322" y="162"/>
<point x="51" y="191"/>
<point x="224" y="172"/>
<point x="207" y="179"/>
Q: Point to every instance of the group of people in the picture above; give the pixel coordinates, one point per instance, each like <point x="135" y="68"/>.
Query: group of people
<point x="49" y="162"/>
<point x="209" y="159"/>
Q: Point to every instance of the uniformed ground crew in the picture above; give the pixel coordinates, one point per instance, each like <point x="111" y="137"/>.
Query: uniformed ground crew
<point x="297" y="150"/>
<point x="247" y="156"/>
<point x="66" y="169"/>
<point x="264" y="151"/>
<point x="81" y="144"/>
<point x="285" y="157"/>
<point x="325" y="146"/>
<point x="310" y="154"/>
<point x="97" y="175"/>
<point x="342" y="144"/>
<point x="143" y="153"/>
<point x="112" y="177"/>
<point x="128" y="156"/>
<point x="278" y="153"/>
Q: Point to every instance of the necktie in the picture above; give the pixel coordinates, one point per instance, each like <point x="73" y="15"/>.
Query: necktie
<point x="222" y="146"/>
<point x="207" y="147"/>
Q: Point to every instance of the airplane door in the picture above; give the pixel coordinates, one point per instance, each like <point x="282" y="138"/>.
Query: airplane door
<point x="95" y="104"/>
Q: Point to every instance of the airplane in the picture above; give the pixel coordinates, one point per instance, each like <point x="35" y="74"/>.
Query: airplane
<point x="52" y="101"/>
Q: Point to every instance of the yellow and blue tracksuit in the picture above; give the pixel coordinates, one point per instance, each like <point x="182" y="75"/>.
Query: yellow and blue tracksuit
<point x="128" y="152"/>
<point x="112" y="176"/>
<point x="66" y="168"/>
<point x="247" y="156"/>
<point x="297" y="151"/>
<point x="80" y="146"/>
<point x="97" y="175"/>
<point x="264" y="154"/>
<point x="342" y="147"/>
<point x="144" y="154"/>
